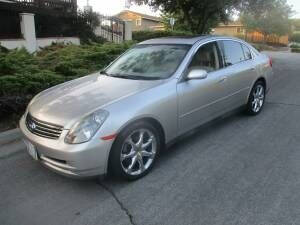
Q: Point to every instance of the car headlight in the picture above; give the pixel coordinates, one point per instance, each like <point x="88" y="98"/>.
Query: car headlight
<point x="85" y="129"/>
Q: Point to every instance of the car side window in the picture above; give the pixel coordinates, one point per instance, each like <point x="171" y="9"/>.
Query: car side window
<point x="232" y="52"/>
<point x="207" y="58"/>
<point x="247" y="52"/>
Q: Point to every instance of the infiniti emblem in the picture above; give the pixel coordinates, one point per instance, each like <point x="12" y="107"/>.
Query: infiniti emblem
<point x="32" y="125"/>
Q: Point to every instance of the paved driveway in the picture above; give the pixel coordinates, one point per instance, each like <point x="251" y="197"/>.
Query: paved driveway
<point x="240" y="170"/>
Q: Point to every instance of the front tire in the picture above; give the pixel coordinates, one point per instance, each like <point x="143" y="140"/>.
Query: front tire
<point x="256" y="99"/>
<point x="135" y="151"/>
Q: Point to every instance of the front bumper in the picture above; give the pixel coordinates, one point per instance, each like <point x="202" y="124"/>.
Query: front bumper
<point x="74" y="160"/>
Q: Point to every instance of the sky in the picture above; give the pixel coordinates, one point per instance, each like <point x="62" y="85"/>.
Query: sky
<point x="112" y="7"/>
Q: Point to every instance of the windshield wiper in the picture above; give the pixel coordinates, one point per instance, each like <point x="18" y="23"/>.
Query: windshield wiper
<point x="104" y="73"/>
<point x="133" y="77"/>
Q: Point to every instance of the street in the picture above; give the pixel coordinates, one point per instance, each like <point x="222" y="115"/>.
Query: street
<point x="239" y="170"/>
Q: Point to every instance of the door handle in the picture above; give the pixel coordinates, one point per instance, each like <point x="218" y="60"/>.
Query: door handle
<point x="253" y="69"/>
<point x="223" y="79"/>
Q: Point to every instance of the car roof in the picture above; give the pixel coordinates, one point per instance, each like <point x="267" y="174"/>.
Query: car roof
<point x="189" y="40"/>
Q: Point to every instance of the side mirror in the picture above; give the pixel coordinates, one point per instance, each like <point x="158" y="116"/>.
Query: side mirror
<point x="197" y="74"/>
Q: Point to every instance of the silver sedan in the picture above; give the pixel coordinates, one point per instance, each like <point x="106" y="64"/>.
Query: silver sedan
<point x="118" y="120"/>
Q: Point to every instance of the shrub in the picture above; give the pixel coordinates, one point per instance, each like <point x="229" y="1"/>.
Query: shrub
<point x="295" y="46"/>
<point x="145" y="35"/>
<point x="296" y="50"/>
<point x="22" y="75"/>
<point x="295" y="37"/>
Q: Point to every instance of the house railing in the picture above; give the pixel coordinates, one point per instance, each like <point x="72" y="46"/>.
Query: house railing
<point x="111" y="28"/>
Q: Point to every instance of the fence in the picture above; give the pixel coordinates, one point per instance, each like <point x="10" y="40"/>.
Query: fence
<point x="41" y="6"/>
<point x="111" y="28"/>
<point x="257" y="37"/>
<point x="9" y="25"/>
<point x="48" y="13"/>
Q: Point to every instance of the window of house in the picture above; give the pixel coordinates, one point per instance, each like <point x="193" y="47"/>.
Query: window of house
<point x="240" y="30"/>
<point x="207" y="58"/>
<point x="138" y="22"/>
<point x="232" y="52"/>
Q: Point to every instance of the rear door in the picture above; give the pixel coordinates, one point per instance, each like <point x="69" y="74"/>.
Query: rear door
<point x="239" y="71"/>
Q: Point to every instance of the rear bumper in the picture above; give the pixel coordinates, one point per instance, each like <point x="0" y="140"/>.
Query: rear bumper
<point x="77" y="160"/>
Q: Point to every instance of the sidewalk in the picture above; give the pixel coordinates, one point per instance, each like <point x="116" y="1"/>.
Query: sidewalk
<point x="10" y="136"/>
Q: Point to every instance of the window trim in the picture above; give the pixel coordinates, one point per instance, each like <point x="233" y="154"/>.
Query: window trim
<point x="219" y="52"/>
<point x="244" y="46"/>
<point x="241" y="43"/>
<point x="138" y="22"/>
<point x="223" y="50"/>
<point x="182" y="76"/>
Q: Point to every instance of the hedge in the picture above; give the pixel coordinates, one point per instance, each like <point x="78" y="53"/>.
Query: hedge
<point x="295" y="37"/>
<point x="22" y="75"/>
<point x="145" y="35"/>
<point x="296" y="50"/>
<point x="295" y="46"/>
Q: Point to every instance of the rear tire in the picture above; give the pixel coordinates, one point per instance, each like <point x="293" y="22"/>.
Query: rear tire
<point x="135" y="151"/>
<point x="256" y="99"/>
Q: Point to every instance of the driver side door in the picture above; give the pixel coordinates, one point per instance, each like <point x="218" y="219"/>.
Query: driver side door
<point x="200" y="100"/>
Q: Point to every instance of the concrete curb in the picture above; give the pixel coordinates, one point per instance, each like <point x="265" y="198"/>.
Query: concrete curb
<point x="10" y="136"/>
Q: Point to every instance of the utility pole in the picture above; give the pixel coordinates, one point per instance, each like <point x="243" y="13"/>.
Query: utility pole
<point x="88" y="8"/>
<point x="172" y="22"/>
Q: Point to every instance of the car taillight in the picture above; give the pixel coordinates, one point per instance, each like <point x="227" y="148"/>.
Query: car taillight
<point x="270" y="62"/>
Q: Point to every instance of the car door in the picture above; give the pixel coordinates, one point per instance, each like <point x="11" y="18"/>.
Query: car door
<point x="239" y="72"/>
<point x="200" y="100"/>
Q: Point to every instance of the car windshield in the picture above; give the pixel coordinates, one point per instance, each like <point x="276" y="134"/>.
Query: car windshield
<point x="149" y="62"/>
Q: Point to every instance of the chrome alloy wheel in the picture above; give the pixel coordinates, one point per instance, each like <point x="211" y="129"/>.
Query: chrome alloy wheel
<point x="138" y="152"/>
<point x="258" y="98"/>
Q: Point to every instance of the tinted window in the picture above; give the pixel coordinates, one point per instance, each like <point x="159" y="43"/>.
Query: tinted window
<point x="207" y="58"/>
<point x="247" y="52"/>
<point x="233" y="52"/>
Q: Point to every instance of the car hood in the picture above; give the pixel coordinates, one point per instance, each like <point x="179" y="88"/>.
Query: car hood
<point x="66" y="103"/>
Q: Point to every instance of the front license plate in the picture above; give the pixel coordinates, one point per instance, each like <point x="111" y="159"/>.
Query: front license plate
<point x="31" y="150"/>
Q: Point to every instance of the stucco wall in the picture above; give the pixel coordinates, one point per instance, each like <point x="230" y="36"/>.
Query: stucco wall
<point x="130" y="17"/>
<point x="149" y="24"/>
<point x="12" y="43"/>
<point x="41" y="42"/>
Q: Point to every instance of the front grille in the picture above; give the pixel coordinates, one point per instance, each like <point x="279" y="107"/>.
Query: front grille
<point x="43" y="129"/>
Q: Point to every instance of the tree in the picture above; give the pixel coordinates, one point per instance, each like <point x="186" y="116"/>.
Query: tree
<point x="86" y="22"/>
<point x="198" y="16"/>
<point x="272" y="18"/>
<point x="255" y="7"/>
<point x="179" y="22"/>
<point x="296" y="24"/>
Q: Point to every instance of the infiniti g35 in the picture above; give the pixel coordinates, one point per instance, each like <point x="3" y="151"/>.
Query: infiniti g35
<point x="118" y="120"/>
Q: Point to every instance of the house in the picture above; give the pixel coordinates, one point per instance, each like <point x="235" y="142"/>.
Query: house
<point x="233" y="29"/>
<point x="141" y="21"/>
<point x="237" y="29"/>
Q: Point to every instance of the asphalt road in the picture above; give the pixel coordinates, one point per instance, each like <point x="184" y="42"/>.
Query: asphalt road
<point x="241" y="170"/>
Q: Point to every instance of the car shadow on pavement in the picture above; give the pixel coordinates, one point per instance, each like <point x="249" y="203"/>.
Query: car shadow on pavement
<point x="183" y="143"/>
